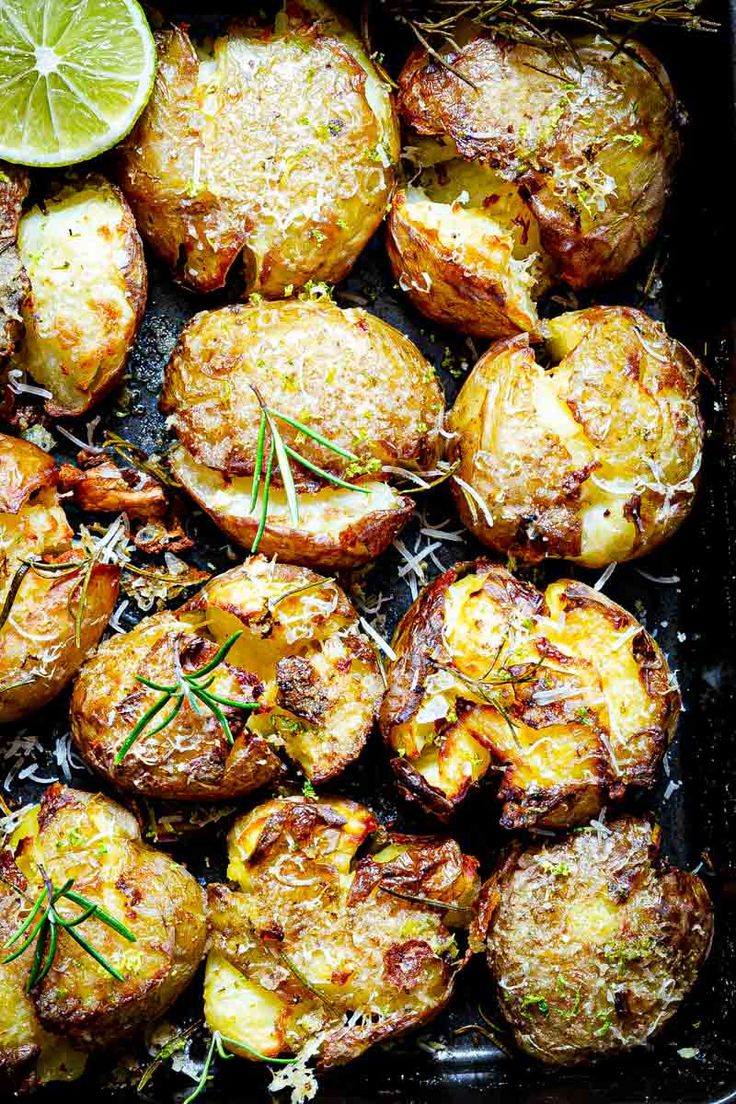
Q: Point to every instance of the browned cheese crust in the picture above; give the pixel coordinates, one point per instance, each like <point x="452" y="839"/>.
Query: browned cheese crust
<point x="346" y="374"/>
<point x="564" y="693"/>
<point x="596" y="459"/>
<point x="317" y="945"/>
<point x="274" y="145"/>
<point x="39" y="651"/>
<point x="89" y="838"/>
<point x="593" y="941"/>
<point x="301" y="657"/>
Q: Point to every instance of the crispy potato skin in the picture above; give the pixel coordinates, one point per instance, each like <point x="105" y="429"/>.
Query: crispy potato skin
<point x="350" y="376"/>
<point x="86" y="296"/>
<point x="14" y="184"/>
<point x="624" y="931"/>
<point x="225" y="162"/>
<point x="591" y="148"/>
<point x="300" y="655"/>
<point x="38" y="647"/>
<point x="575" y="702"/>
<point x="95" y="841"/>
<point x="302" y="960"/>
<point x="595" y="460"/>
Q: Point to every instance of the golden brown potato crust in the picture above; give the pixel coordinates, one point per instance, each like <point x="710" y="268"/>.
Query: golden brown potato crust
<point x="591" y="148"/>
<point x="300" y="656"/>
<point x="593" y="941"/>
<point x="89" y="838"/>
<point x="279" y="147"/>
<point x="86" y="295"/>
<point x="315" y="943"/>
<point x="14" y="184"/>
<point x="39" y="648"/>
<point x="347" y="375"/>
<point x="594" y="460"/>
<point x="564" y="691"/>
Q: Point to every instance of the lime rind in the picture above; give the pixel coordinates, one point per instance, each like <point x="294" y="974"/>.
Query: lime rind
<point x="74" y="77"/>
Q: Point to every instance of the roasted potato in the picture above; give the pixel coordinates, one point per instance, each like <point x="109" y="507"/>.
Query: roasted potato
<point x="276" y="145"/>
<point x="464" y="246"/>
<point x="347" y="376"/>
<point x="84" y="260"/>
<point x="300" y="656"/>
<point x="596" y="459"/>
<point x="537" y="166"/>
<point x="93" y="847"/>
<point x="563" y="692"/>
<point x="593" y="941"/>
<point x="50" y="615"/>
<point x="317" y="945"/>
<point x="14" y="183"/>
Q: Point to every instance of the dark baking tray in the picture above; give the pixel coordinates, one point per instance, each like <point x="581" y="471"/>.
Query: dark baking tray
<point x="692" y="289"/>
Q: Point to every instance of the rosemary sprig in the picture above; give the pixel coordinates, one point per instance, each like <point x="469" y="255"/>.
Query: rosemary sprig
<point x="44" y="923"/>
<point x="487" y="688"/>
<point x="103" y="548"/>
<point x="430" y="902"/>
<point x="217" y="1044"/>
<point x="282" y="454"/>
<point x="539" y="22"/>
<point x="138" y="458"/>
<point x="194" y="688"/>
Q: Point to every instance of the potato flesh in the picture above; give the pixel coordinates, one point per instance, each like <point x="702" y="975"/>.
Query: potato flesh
<point x="600" y="930"/>
<point x="464" y="245"/>
<point x="84" y="261"/>
<point x="270" y="988"/>
<point x="595" y="459"/>
<point x="337" y="527"/>
<point x="575" y="701"/>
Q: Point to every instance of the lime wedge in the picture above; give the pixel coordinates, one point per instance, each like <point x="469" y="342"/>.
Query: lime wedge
<point x="74" y="77"/>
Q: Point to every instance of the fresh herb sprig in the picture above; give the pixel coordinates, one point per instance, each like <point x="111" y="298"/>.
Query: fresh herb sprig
<point x="103" y="550"/>
<point x="44" y="922"/>
<point x="217" y="1045"/>
<point x="545" y="23"/>
<point x="491" y="685"/>
<point x="193" y="688"/>
<point x="280" y="454"/>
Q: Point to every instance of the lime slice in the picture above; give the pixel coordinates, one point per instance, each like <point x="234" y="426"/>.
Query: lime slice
<point x="74" y="77"/>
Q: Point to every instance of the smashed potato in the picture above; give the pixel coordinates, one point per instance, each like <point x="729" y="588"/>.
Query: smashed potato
<point x="543" y="167"/>
<point x="316" y="944"/>
<point x="596" y="459"/>
<point x="78" y="1005"/>
<point x="593" y="941"/>
<point x="87" y="275"/>
<point x="274" y="145"/>
<point x="464" y="245"/>
<point x="50" y="615"/>
<point x="344" y="375"/>
<point x="300" y="658"/>
<point x="563" y="692"/>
